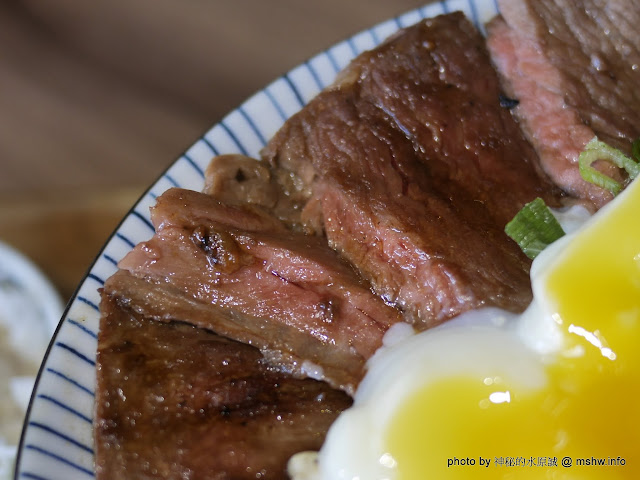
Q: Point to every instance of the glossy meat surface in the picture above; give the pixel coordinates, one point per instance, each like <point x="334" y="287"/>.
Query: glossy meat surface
<point x="416" y="170"/>
<point x="281" y="291"/>
<point x="240" y="180"/>
<point x="574" y="67"/>
<point x="178" y="402"/>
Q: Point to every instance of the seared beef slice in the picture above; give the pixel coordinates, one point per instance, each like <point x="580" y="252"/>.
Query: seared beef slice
<point x="178" y="402"/>
<point x="575" y="69"/>
<point x="286" y="293"/>
<point x="416" y="171"/>
<point x="240" y="180"/>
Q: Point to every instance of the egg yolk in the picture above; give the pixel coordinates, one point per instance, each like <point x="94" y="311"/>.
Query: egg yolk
<point x="589" y="412"/>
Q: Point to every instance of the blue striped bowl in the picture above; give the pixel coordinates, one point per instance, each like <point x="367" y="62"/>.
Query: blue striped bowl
<point x="57" y="441"/>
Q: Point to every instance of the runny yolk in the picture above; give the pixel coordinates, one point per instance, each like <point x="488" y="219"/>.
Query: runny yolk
<point x="590" y="409"/>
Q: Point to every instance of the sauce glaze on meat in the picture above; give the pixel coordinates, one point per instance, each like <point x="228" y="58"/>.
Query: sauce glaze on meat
<point x="416" y="171"/>
<point x="382" y="201"/>
<point x="179" y="402"/>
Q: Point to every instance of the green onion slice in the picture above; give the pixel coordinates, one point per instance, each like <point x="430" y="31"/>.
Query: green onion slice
<point x="635" y="150"/>
<point x="534" y="227"/>
<point x="597" y="150"/>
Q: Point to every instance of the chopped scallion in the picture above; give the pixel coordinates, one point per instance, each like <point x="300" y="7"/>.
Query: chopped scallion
<point x="597" y="150"/>
<point x="635" y="149"/>
<point x="534" y="227"/>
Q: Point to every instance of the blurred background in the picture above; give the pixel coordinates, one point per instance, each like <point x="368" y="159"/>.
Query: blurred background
<point x="98" y="98"/>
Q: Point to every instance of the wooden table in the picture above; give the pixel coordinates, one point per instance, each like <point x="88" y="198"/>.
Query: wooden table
<point x="98" y="98"/>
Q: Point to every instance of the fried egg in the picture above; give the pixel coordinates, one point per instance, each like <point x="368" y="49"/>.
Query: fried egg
<point x="549" y="394"/>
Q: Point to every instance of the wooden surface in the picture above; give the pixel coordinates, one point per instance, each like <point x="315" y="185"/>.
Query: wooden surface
<point x="98" y="98"/>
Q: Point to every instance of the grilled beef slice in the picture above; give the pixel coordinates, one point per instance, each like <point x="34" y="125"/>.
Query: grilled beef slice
<point x="178" y="402"/>
<point x="284" y="292"/>
<point x="240" y="180"/>
<point x="575" y="69"/>
<point x="416" y="169"/>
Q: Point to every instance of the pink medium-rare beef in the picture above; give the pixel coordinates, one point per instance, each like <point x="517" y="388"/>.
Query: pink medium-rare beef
<point x="416" y="171"/>
<point x="575" y="69"/>
<point x="284" y="292"/>
<point x="177" y="402"/>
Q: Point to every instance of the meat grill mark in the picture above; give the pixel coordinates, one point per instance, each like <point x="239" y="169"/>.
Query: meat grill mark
<point x="220" y="247"/>
<point x="326" y="306"/>
<point x="508" y="103"/>
<point x="575" y="67"/>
